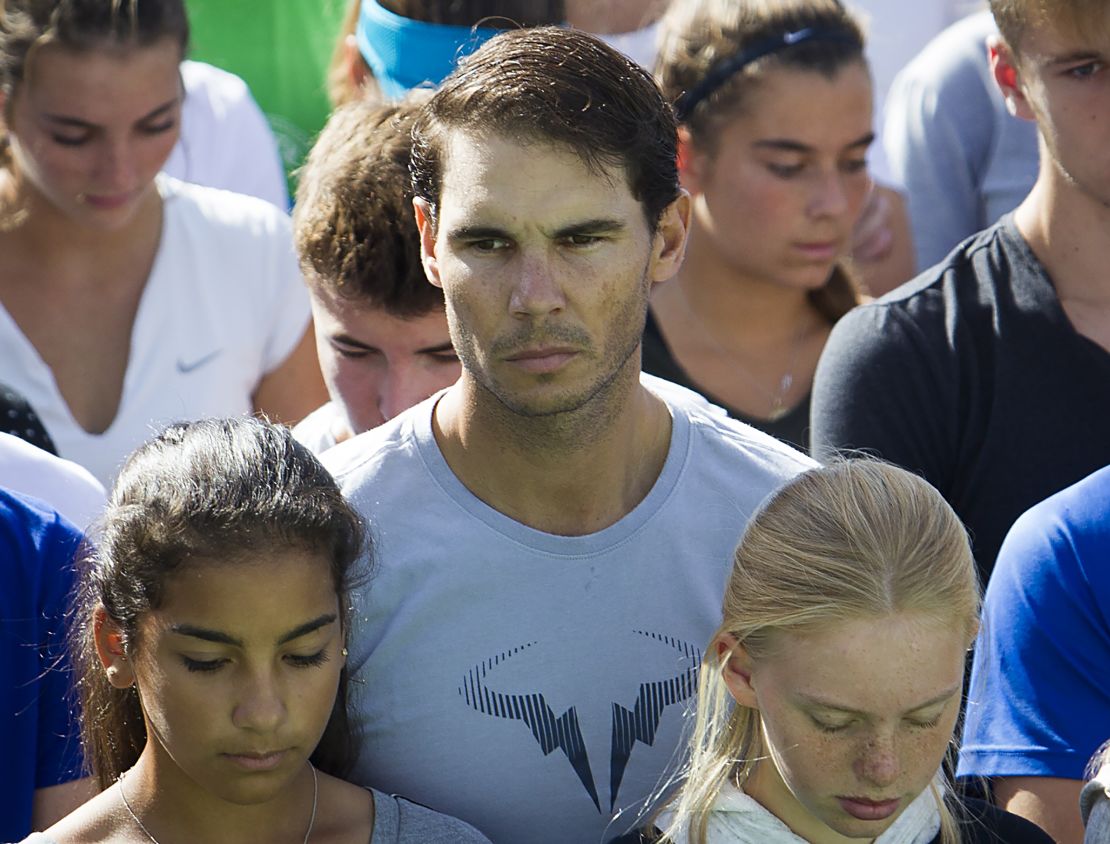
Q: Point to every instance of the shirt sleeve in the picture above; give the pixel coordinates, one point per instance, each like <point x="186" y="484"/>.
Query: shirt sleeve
<point x="59" y="751"/>
<point x="1039" y="700"/>
<point x="885" y="387"/>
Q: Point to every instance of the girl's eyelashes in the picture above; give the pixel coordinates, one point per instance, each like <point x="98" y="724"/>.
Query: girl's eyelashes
<point x="159" y="128"/>
<point x="296" y="660"/>
<point x="925" y="725"/>
<point x="785" y="171"/>
<point x="309" y="660"/>
<point x="67" y="141"/>
<point x="202" y="664"/>
<point x="826" y="727"/>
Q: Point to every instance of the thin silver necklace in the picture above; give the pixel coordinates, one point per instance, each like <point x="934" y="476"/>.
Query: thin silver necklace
<point x="778" y="396"/>
<point x="146" y="832"/>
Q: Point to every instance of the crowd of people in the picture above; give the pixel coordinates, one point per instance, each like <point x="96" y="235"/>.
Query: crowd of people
<point x="570" y="450"/>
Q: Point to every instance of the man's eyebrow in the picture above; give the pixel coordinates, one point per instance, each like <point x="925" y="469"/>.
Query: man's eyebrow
<point x="814" y="700"/>
<point x="788" y="145"/>
<point x="221" y="638"/>
<point x="599" y="225"/>
<point x="477" y="233"/>
<point x="84" y="124"/>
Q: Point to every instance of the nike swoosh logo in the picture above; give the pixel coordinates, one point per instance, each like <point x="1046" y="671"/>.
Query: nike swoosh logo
<point x="185" y="367"/>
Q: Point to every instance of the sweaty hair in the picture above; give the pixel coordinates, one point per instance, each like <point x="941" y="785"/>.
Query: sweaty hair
<point x="497" y="14"/>
<point x="698" y="36"/>
<point x="353" y="223"/>
<point x="858" y="539"/>
<point x="561" y="87"/>
<point x="27" y="26"/>
<point x="1074" y="18"/>
<point x="216" y="489"/>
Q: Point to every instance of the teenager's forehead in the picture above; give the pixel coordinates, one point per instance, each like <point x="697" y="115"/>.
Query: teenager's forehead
<point x="1069" y="26"/>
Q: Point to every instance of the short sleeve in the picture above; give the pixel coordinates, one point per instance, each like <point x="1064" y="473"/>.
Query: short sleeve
<point x="1039" y="700"/>
<point x="884" y="387"/>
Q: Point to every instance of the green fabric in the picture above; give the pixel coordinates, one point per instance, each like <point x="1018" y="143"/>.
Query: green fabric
<point x="282" y="49"/>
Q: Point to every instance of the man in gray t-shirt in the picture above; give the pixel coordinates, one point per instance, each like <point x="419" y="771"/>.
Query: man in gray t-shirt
<point x="552" y="533"/>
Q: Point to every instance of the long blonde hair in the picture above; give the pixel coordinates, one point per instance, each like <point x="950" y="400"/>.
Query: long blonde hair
<point x="857" y="539"/>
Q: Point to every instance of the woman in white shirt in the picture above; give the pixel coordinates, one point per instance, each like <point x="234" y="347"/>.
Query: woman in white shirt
<point x="128" y="300"/>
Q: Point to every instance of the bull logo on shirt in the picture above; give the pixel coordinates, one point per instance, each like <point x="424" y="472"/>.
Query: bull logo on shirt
<point x="563" y="732"/>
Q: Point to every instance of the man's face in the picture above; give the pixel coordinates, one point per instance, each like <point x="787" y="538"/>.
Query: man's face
<point x="376" y="364"/>
<point x="546" y="266"/>
<point x="1063" y="83"/>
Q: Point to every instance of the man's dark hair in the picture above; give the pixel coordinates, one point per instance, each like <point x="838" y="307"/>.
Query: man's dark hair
<point x="549" y="85"/>
<point x="353" y="223"/>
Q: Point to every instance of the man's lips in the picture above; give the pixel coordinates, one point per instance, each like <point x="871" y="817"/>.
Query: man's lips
<point x="546" y="359"/>
<point x="865" y="809"/>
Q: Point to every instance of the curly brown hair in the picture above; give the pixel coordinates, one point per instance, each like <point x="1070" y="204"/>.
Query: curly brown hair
<point x="353" y="223"/>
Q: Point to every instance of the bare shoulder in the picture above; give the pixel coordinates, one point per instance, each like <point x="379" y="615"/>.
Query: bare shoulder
<point x="345" y="813"/>
<point x="101" y="819"/>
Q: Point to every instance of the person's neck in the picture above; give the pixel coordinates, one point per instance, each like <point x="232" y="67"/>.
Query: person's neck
<point x="740" y="312"/>
<point x="1069" y="232"/>
<point x="766" y="786"/>
<point x="569" y="474"/>
<point x="31" y="222"/>
<point x="174" y="807"/>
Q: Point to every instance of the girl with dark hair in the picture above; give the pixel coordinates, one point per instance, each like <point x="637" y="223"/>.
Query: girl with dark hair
<point x="774" y="103"/>
<point x="129" y="299"/>
<point x="210" y="644"/>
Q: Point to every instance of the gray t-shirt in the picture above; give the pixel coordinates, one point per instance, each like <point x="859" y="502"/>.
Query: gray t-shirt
<point x="396" y="821"/>
<point x="533" y="684"/>
<point x="961" y="158"/>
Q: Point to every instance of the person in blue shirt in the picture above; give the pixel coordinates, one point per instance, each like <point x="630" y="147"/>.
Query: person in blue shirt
<point x="39" y="780"/>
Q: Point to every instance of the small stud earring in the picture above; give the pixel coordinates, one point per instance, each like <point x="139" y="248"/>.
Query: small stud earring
<point x="344" y="652"/>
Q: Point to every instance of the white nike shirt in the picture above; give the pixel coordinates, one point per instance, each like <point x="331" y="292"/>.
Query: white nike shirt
<point x="224" y="305"/>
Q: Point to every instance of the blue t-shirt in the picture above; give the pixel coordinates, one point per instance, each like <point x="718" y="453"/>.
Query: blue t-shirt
<point x="1040" y="686"/>
<point x="38" y="726"/>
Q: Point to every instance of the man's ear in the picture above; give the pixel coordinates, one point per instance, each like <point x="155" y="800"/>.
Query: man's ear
<point x="671" y="235"/>
<point x="736" y="668"/>
<point x="111" y="650"/>
<point x="425" y="222"/>
<point x="1004" y="68"/>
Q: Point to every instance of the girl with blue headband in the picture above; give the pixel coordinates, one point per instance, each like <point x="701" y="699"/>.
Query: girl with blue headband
<point x="774" y="102"/>
<point x="398" y="45"/>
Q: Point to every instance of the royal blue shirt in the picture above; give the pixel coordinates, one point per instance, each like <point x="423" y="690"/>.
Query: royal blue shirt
<point x="38" y="725"/>
<point x="1039" y="701"/>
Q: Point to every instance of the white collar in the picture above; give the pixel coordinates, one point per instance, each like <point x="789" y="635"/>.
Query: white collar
<point x="737" y="818"/>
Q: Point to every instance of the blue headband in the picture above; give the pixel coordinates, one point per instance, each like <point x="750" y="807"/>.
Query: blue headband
<point x="724" y="70"/>
<point x="403" y="53"/>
